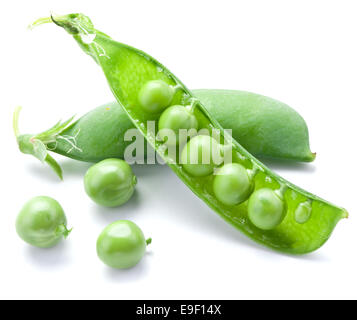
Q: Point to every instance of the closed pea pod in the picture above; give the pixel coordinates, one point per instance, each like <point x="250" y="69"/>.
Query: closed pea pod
<point x="280" y="231"/>
<point x="264" y="126"/>
<point x="100" y="134"/>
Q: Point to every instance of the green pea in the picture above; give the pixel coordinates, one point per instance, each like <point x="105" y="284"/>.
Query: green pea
<point x="42" y="222"/>
<point x="121" y="245"/>
<point x="266" y="209"/>
<point x="197" y="156"/>
<point x="303" y="212"/>
<point x="176" y="118"/>
<point x="232" y="184"/>
<point x="155" y="96"/>
<point x="110" y="183"/>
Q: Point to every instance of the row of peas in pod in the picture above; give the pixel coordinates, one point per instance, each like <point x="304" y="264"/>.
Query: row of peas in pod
<point x="42" y="221"/>
<point x="232" y="183"/>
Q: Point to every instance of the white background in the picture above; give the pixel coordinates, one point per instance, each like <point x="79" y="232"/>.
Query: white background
<point x="301" y="52"/>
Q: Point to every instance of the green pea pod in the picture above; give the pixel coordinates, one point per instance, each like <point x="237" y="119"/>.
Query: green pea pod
<point x="253" y="119"/>
<point x="269" y="209"/>
<point x="262" y="125"/>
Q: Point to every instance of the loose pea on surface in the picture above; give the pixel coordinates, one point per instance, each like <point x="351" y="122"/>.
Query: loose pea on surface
<point x="266" y="210"/>
<point x="122" y="244"/>
<point x="232" y="184"/>
<point x="42" y="222"/>
<point x="155" y="96"/>
<point x="198" y="157"/>
<point x="175" y="118"/>
<point x="110" y="183"/>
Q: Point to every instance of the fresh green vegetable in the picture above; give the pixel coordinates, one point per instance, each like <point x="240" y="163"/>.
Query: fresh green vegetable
<point x="110" y="183"/>
<point x="232" y="184"/>
<point x="122" y="244"/>
<point x="176" y="118"/>
<point x="264" y="126"/>
<point x="155" y="96"/>
<point x="283" y="198"/>
<point x="253" y="119"/>
<point x="42" y="222"/>
<point x="197" y="156"/>
<point x="266" y="208"/>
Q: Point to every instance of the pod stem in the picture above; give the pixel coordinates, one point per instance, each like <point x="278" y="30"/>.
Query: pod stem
<point x="148" y="241"/>
<point x="36" y="145"/>
<point x="134" y="181"/>
<point x="176" y="88"/>
<point x="191" y="107"/>
<point x="62" y="230"/>
<point x="281" y="190"/>
<point x="39" y="22"/>
<point x="15" y="121"/>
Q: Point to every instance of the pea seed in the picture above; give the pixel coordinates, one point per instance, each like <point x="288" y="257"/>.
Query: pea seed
<point x="197" y="155"/>
<point x="266" y="209"/>
<point x="232" y="184"/>
<point x="42" y="222"/>
<point x="121" y="245"/>
<point x="174" y="119"/>
<point x="110" y="183"/>
<point x="303" y="212"/>
<point x="155" y="96"/>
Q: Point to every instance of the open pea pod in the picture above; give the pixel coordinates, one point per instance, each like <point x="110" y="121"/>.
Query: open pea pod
<point x="248" y="195"/>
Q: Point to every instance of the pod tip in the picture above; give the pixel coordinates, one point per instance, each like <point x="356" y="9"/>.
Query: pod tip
<point x="345" y="214"/>
<point x="313" y="156"/>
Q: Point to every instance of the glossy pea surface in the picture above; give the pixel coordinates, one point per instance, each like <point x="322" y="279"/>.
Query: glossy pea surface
<point x="110" y="183"/>
<point x="197" y="155"/>
<point x="42" y="222"/>
<point x="174" y="119"/>
<point x="266" y="209"/>
<point x="121" y="245"/>
<point x="232" y="184"/>
<point x="155" y="96"/>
